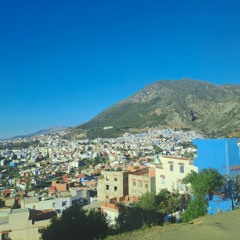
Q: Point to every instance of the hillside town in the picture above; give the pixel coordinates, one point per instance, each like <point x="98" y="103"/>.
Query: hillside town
<point x="52" y="173"/>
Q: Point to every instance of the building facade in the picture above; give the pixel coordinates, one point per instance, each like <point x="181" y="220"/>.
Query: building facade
<point x="142" y="181"/>
<point x="112" y="184"/>
<point x="171" y="171"/>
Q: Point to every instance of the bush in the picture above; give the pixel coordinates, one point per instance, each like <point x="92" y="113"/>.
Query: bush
<point x="196" y="208"/>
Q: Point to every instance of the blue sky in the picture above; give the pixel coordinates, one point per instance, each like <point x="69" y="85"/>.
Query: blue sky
<point x="63" y="62"/>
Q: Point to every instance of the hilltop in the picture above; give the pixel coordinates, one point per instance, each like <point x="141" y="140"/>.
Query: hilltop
<point x="221" y="226"/>
<point x="207" y="108"/>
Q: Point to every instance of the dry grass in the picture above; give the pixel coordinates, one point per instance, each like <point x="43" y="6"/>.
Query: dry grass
<point x="222" y="226"/>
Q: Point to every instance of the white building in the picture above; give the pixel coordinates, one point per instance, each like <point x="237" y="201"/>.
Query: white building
<point x="57" y="204"/>
<point x="170" y="172"/>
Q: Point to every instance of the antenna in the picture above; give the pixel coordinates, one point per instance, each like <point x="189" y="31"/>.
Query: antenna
<point x="227" y="163"/>
<point x="239" y="148"/>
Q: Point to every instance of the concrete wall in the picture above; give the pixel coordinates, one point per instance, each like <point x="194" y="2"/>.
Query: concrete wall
<point x="111" y="212"/>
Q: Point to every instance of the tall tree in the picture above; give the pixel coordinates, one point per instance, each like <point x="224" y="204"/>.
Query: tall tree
<point x="169" y="202"/>
<point x="231" y="188"/>
<point x="76" y="223"/>
<point x="204" y="186"/>
<point x="206" y="183"/>
<point x="148" y="201"/>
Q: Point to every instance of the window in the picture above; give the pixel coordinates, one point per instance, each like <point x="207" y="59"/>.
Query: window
<point x="134" y="183"/>
<point x="107" y="178"/>
<point x="64" y="203"/>
<point x="107" y="187"/>
<point x="146" y="185"/>
<point x="115" y="179"/>
<point x="163" y="180"/>
<point x="171" y="167"/>
<point x="115" y="188"/>
<point x="140" y="184"/>
<point x="181" y="169"/>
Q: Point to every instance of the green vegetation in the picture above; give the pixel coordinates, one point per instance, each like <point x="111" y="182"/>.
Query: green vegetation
<point x="157" y="150"/>
<point x="76" y="223"/>
<point x="187" y="104"/>
<point x="149" y="211"/>
<point x="205" y="185"/>
<point x="231" y="187"/>
<point x="215" y="227"/>
<point x="12" y="172"/>
<point x="104" y="133"/>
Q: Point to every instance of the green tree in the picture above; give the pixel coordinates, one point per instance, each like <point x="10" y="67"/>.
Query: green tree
<point x="206" y="183"/>
<point x="204" y="186"/>
<point x="231" y="188"/>
<point x="196" y="208"/>
<point x="168" y="202"/>
<point x="148" y="204"/>
<point x="139" y="214"/>
<point x="157" y="150"/>
<point x="76" y="223"/>
<point x="130" y="218"/>
<point x="148" y="201"/>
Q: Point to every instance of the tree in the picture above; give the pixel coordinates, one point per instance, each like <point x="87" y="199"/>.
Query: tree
<point x="196" y="208"/>
<point x="139" y="214"/>
<point x="204" y="186"/>
<point x="148" y="201"/>
<point x="76" y="223"/>
<point x="206" y="183"/>
<point x="168" y="202"/>
<point x="231" y="188"/>
<point x="130" y="218"/>
<point x="157" y="150"/>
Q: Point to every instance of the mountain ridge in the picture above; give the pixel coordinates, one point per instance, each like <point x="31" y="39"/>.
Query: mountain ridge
<point x="52" y="129"/>
<point x="198" y="105"/>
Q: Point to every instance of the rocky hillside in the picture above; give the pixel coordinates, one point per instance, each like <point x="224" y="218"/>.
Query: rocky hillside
<point x="190" y="104"/>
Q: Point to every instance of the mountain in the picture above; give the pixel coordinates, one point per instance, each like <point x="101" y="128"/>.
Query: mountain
<point x="53" y="129"/>
<point x="183" y="104"/>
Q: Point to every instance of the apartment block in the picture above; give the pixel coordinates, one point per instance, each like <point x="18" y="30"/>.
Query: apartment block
<point x="142" y="181"/>
<point x="112" y="184"/>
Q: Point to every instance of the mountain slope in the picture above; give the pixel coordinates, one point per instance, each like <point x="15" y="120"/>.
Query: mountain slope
<point x="201" y="106"/>
<point x="53" y="129"/>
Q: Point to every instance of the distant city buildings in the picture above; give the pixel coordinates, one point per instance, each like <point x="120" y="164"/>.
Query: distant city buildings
<point x="47" y="173"/>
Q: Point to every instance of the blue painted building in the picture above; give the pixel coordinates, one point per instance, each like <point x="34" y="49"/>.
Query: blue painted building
<point x="221" y="154"/>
